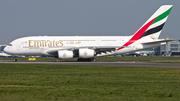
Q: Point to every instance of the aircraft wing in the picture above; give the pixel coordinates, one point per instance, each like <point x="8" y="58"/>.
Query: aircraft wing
<point x="98" y="49"/>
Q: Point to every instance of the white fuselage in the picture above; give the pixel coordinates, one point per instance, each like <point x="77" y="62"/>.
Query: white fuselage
<point x="41" y="45"/>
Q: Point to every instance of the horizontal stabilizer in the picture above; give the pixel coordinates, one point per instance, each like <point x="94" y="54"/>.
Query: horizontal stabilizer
<point x="158" y="41"/>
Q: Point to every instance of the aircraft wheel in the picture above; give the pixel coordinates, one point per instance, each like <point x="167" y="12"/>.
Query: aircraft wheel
<point x="15" y="60"/>
<point x="78" y="59"/>
<point x="93" y="59"/>
<point x="86" y="59"/>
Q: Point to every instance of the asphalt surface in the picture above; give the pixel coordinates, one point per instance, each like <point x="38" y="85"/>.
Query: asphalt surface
<point x="120" y="64"/>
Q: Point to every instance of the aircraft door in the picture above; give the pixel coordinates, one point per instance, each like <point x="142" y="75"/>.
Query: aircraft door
<point x="18" y="47"/>
<point x="118" y="41"/>
<point x="98" y="40"/>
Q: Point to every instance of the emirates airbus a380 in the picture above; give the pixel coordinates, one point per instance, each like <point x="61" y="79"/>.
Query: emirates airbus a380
<point x="65" y="47"/>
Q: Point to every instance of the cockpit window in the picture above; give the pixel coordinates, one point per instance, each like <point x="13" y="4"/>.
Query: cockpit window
<point x="9" y="45"/>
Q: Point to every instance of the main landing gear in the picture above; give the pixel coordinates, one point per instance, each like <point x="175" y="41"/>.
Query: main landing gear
<point x="86" y="59"/>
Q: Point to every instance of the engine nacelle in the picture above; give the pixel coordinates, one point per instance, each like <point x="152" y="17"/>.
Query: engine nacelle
<point x="86" y="53"/>
<point x="65" y="54"/>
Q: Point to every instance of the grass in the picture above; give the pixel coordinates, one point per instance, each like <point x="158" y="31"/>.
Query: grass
<point x="156" y="59"/>
<point x="30" y="82"/>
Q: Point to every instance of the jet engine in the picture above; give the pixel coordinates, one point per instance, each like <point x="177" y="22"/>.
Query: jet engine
<point x="86" y="53"/>
<point x="65" y="54"/>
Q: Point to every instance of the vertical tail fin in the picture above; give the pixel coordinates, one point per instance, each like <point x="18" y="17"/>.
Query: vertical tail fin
<point x="153" y="26"/>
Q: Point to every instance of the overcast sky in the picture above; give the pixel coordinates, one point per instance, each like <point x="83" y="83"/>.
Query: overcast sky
<point x="20" y="18"/>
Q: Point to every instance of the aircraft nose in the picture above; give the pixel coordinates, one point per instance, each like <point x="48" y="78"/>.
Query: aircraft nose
<point x="7" y="49"/>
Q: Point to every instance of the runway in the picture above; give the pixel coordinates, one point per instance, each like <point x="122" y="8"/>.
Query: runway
<point x="119" y="64"/>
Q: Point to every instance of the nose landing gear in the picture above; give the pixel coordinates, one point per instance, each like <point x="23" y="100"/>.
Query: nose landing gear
<point x="15" y="60"/>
